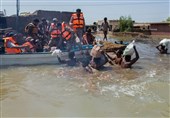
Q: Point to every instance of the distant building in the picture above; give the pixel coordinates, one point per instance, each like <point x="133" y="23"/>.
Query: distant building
<point x="142" y="28"/>
<point x="162" y="28"/>
<point x="25" y="13"/>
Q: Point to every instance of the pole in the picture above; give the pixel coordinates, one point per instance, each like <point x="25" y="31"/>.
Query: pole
<point x="17" y="14"/>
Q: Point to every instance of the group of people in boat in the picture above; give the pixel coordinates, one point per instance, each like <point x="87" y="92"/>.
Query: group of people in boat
<point x="42" y="35"/>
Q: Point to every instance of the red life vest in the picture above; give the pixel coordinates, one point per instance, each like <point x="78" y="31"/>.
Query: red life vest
<point x="55" y="31"/>
<point x="65" y="33"/>
<point x="30" y="46"/>
<point x="11" y="50"/>
<point x="78" y="22"/>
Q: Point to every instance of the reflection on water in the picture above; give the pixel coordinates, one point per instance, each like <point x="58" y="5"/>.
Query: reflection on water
<point x="57" y="90"/>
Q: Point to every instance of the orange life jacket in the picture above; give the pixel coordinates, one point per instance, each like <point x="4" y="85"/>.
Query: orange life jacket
<point x="30" y="46"/>
<point x="11" y="50"/>
<point x="65" y="33"/>
<point x="78" y="22"/>
<point x="55" y="31"/>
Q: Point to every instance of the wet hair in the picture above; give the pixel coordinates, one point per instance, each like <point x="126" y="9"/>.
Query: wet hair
<point x="78" y="10"/>
<point x="119" y="52"/>
<point x="127" y="58"/>
<point x="162" y="47"/>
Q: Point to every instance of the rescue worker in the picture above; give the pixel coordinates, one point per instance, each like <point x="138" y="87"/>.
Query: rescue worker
<point x="34" y="35"/>
<point x="11" y="46"/>
<point x="88" y="38"/>
<point x="55" y="35"/>
<point x="53" y="24"/>
<point x="77" y="22"/>
<point x="69" y="36"/>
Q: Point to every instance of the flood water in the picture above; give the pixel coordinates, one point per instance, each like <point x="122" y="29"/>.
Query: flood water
<point x="61" y="91"/>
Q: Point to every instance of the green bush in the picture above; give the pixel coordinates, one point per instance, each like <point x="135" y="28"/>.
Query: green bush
<point x="125" y="24"/>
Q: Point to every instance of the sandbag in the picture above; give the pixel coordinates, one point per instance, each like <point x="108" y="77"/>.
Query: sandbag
<point x="165" y="42"/>
<point x="129" y="50"/>
<point x="56" y="52"/>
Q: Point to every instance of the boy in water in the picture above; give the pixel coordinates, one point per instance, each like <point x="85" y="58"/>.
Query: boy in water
<point x="127" y="62"/>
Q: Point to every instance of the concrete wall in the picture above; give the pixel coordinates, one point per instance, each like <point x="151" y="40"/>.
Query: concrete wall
<point x="160" y="28"/>
<point x="49" y="15"/>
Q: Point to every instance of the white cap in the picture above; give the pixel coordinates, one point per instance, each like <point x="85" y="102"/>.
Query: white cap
<point x="55" y="19"/>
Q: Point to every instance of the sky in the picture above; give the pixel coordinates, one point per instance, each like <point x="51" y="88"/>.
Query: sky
<point x="94" y="10"/>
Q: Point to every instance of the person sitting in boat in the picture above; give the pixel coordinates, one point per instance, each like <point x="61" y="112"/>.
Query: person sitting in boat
<point x="127" y="62"/>
<point x="99" y="59"/>
<point x="11" y="46"/>
<point x="88" y="38"/>
<point x="34" y="35"/>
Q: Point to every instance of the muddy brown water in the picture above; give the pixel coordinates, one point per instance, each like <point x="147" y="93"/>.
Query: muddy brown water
<point x="61" y="91"/>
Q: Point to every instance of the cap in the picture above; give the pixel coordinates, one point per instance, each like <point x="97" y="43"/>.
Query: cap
<point x="55" y="19"/>
<point x="9" y="34"/>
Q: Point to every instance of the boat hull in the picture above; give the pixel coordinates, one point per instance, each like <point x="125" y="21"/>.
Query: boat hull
<point x="34" y="58"/>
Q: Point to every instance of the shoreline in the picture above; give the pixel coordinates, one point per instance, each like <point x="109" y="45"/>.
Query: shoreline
<point x="129" y="36"/>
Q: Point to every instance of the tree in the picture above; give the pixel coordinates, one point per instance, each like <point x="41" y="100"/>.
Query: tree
<point x="125" y="24"/>
<point x="168" y="19"/>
